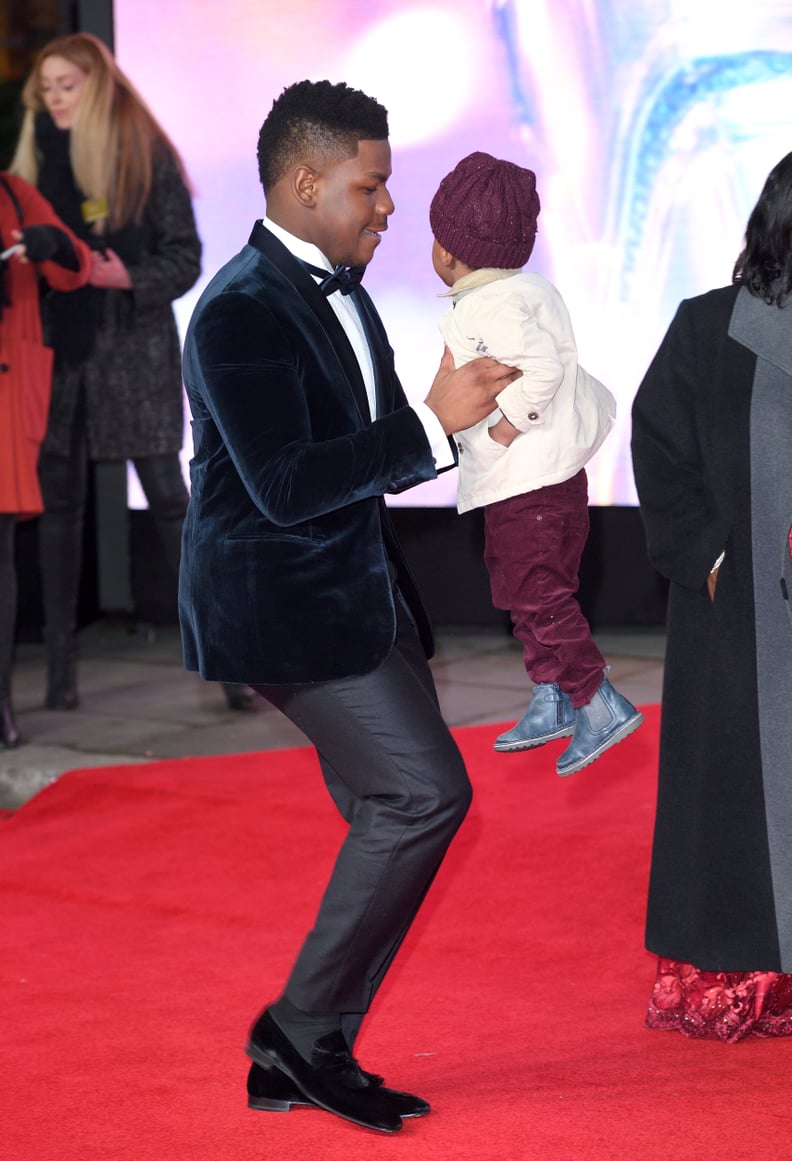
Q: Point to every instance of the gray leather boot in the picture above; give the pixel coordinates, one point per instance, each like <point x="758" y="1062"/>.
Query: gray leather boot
<point x="605" y="720"/>
<point x="550" y="715"/>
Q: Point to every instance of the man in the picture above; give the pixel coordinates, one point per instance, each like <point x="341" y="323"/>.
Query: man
<point x="293" y="581"/>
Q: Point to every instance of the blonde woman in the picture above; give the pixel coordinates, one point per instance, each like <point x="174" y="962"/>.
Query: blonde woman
<point x="91" y="146"/>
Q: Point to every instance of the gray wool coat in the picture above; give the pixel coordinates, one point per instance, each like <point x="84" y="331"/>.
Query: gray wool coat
<point x="712" y="452"/>
<point x="132" y="380"/>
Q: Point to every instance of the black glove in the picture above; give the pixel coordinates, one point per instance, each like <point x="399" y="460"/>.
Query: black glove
<point x="49" y="244"/>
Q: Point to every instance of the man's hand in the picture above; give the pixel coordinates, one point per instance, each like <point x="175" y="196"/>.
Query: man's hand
<point x="462" y="398"/>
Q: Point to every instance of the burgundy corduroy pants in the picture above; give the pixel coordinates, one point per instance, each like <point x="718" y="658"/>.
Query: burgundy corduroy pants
<point x="533" y="546"/>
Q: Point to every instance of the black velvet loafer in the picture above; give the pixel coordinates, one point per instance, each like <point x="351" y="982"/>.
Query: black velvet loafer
<point x="272" y="1092"/>
<point x="332" y="1079"/>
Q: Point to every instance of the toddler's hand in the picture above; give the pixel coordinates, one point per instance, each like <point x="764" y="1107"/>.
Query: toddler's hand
<point x="504" y="432"/>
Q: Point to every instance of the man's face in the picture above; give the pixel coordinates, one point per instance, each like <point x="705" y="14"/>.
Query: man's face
<point x="352" y="205"/>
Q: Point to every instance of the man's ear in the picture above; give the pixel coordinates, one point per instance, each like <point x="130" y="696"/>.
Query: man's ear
<point x="304" y="182"/>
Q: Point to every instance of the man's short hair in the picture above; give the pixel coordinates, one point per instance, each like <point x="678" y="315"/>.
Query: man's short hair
<point x="316" y="122"/>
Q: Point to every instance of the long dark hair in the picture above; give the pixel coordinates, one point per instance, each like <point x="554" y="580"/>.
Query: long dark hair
<point x="765" y="264"/>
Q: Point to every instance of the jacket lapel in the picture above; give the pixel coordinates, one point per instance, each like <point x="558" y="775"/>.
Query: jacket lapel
<point x="295" y="273"/>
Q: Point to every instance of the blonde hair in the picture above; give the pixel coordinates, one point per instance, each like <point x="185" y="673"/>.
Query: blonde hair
<point x="113" y="136"/>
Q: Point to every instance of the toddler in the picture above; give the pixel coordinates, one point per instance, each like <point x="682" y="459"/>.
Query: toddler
<point x="524" y="464"/>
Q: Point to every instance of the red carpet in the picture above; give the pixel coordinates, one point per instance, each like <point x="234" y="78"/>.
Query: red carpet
<point x="149" y="911"/>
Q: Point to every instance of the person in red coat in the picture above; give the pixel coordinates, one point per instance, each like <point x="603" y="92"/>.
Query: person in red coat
<point x="34" y="244"/>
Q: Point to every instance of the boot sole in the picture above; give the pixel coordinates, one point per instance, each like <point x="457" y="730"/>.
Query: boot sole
<point x="623" y="732"/>
<point x="532" y="743"/>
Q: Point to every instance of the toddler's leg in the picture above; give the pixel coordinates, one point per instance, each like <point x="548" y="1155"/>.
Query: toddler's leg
<point x="534" y="543"/>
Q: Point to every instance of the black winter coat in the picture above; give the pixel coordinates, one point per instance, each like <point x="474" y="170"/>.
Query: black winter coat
<point x="712" y="453"/>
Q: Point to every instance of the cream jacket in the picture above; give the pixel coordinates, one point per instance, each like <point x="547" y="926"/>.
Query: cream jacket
<point x="562" y="412"/>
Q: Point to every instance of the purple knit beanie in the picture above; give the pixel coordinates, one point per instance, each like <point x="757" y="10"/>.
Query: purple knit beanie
<point x="485" y="212"/>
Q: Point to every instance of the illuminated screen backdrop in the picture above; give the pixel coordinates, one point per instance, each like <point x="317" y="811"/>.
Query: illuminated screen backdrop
<point x="651" y="126"/>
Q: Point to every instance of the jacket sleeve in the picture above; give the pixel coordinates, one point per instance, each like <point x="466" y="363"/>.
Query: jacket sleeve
<point x="37" y="211"/>
<point x="684" y="531"/>
<point x="248" y="373"/>
<point x="519" y="340"/>
<point x="172" y="261"/>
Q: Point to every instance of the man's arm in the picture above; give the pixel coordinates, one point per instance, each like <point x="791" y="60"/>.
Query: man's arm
<point x="250" y="372"/>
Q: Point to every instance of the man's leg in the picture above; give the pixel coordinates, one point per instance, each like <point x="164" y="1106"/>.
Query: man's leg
<point x="398" y="779"/>
<point x="397" y="776"/>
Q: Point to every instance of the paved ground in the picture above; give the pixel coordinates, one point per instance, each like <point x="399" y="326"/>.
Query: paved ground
<point x="138" y="703"/>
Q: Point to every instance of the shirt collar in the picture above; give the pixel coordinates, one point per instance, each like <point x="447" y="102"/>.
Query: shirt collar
<point x="476" y="278"/>
<point x="297" y="246"/>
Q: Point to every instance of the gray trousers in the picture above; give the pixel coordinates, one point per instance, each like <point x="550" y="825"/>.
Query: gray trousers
<point x="398" y="779"/>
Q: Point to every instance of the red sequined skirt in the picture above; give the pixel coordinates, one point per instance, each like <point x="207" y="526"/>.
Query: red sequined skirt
<point x="727" y="1006"/>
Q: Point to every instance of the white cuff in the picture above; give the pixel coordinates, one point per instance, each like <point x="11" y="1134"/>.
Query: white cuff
<point x="438" y="440"/>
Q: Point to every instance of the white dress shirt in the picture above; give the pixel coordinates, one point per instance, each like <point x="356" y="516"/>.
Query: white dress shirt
<point x="347" y="314"/>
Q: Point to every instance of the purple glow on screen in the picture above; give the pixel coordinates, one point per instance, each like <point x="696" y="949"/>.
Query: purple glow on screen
<point x="650" y="126"/>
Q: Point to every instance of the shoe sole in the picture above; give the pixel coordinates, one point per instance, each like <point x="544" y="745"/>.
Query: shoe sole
<point x="269" y="1105"/>
<point x="623" y="732"/>
<point x="532" y="743"/>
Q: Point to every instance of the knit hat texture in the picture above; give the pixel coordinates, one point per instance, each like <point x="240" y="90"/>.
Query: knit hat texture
<point x="485" y="211"/>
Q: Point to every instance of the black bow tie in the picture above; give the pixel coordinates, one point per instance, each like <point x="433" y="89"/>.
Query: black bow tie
<point x="343" y="278"/>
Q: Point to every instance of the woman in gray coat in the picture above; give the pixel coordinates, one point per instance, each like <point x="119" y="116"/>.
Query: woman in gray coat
<point x="91" y="146"/>
<point x="712" y="451"/>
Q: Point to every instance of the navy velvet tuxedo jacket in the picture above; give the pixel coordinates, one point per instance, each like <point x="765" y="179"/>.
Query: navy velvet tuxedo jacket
<point x="285" y="574"/>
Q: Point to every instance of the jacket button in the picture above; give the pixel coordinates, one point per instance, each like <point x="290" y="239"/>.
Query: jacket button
<point x="533" y="415"/>
<point x="3" y="368"/>
<point x="460" y="449"/>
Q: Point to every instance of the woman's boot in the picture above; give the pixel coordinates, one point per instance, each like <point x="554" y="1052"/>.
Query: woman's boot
<point x="239" y="697"/>
<point x="9" y="734"/>
<point x="61" y="671"/>
<point x="60" y="558"/>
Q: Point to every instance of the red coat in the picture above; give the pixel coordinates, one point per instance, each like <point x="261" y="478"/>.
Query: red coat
<point x="25" y="363"/>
